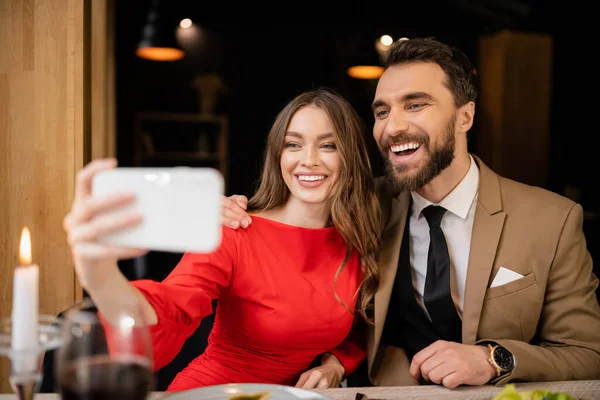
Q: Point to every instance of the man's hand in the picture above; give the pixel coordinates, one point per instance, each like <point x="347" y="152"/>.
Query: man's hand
<point x="234" y="213"/>
<point x="452" y="364"/>
<point x="329" y="375"/>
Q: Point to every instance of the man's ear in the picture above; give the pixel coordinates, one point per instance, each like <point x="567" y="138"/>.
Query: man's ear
<point x="466" y="115"/>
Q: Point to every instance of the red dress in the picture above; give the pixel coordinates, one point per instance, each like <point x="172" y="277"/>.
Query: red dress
<point x="276" y="307"/>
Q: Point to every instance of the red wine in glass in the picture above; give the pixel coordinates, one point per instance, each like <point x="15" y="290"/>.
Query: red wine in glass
<point x="104" y="378"/>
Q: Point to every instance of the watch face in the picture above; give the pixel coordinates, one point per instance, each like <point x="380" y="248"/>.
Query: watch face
<point x="504" y="358"/>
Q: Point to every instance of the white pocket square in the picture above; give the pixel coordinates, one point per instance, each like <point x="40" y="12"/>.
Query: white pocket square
<point x="505" y="276"/>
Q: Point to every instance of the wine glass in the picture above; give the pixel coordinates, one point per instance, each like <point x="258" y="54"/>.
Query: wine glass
<point x="105" y="356"/>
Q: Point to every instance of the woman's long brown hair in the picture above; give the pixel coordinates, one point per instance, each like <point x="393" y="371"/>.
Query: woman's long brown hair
<point x="355" y="210"/>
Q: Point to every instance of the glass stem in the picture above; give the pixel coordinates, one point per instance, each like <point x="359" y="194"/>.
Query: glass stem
<point x="25" y="389"/>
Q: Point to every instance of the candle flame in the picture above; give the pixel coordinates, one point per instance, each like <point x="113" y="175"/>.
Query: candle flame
<point x="25" y="247"/>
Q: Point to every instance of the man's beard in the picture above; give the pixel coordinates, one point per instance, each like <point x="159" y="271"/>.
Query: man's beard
<point x="439" y="159"/>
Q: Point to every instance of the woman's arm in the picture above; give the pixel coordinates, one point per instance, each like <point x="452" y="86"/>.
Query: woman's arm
<point x="338" y="363"/>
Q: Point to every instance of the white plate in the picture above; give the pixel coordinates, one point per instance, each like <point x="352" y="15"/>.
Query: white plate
<point x="224" y="392"/>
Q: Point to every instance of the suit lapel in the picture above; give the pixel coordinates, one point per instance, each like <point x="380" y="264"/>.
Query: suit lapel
<point x="397" y="209"/>
<point x="487" y="229"/>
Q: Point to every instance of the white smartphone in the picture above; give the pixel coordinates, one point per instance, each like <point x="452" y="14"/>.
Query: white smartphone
<point x="181" y="207"/>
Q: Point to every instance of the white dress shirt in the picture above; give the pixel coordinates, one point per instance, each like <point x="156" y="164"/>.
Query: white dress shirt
<point x="457" y="225"/>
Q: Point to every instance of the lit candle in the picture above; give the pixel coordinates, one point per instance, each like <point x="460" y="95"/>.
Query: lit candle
<point x="25" y="306"/>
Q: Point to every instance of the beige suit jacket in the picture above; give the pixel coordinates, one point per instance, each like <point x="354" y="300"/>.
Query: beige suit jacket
<point x="549" y="319"/>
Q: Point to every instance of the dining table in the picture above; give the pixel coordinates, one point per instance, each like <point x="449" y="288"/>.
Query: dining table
<point x="581" y="390"/>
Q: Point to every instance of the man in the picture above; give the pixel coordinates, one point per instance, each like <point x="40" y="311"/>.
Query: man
<point x="483" y="279"/>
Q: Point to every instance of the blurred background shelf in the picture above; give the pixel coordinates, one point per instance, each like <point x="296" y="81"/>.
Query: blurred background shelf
<point x="183" y="157"/>
<point x="170" y="139"/>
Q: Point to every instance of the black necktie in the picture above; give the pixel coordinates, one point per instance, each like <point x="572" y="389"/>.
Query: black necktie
<point x="437" y="296"/>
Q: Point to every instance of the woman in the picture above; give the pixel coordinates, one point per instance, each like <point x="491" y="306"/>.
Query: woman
<point x="287" y="286"/>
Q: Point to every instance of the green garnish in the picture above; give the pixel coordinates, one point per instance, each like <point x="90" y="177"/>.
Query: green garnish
<point x="510" y="393"/>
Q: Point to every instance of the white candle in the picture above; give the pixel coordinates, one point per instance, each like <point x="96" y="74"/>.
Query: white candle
<point x="25" y="306"/>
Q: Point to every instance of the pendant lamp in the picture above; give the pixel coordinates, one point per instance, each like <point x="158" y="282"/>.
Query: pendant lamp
<point x="158" y="41"/>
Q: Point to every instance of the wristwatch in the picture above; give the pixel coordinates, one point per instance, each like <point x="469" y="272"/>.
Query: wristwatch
<point x="501" y="359"/>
